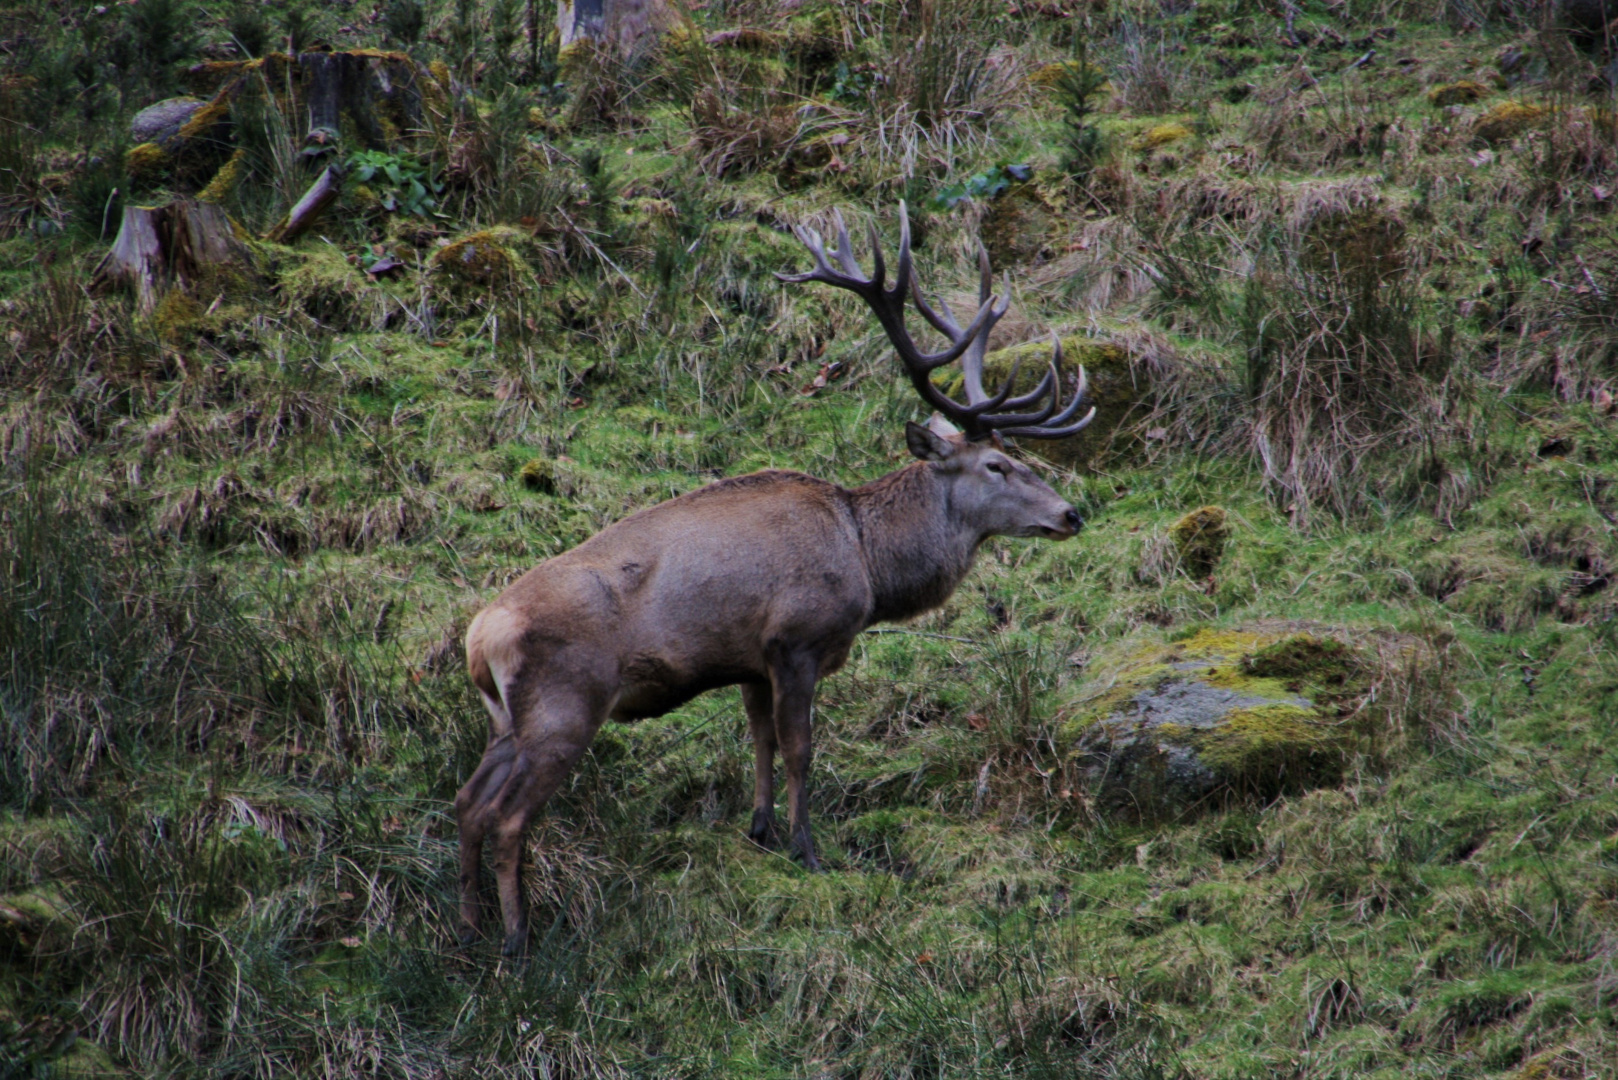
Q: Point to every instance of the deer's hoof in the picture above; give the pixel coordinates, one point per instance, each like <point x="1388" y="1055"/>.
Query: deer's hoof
<point x="763" y="832"/>
<point x="514" y="945"/>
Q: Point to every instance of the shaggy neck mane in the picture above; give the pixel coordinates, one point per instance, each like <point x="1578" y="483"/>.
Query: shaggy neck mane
<point x="913" y="554"/>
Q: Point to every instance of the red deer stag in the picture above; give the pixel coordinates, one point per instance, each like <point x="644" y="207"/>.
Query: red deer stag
<point x="762" y="580"/>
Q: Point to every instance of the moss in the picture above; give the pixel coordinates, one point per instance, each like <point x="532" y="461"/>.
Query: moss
<point x="1457" y="93"/>
<point x="574" y="57"/>
<point x="1162" y="135"/>
<point x="1269" y="748"/>
<point x="1215" y="655"/>
<point x="146" y="162"/>
<point x="391" y="55"/>
<point x="1507" y="119"/>
<point x="1319" y="660"/>
<point x="205" y="119"/>
<point x="1200" y="538"/>
<point x="643" y="418"/>
<point x="538" y="474"/>
<point x="1048" y="76"/>
<point x="224" y="181"/>
<point x="176" y="316"/>
<point x="485" y="257"/>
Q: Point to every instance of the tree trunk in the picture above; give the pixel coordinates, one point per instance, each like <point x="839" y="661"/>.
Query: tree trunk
<point x="618" y="23"/>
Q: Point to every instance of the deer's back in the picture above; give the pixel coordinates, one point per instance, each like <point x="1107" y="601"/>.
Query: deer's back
<point x="694" y="593"/>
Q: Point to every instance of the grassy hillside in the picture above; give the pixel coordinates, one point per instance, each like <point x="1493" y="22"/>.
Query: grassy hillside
<point x="1369" y="307"/>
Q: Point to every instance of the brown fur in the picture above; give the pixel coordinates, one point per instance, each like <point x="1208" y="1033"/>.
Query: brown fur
<point x="761" y="580"/>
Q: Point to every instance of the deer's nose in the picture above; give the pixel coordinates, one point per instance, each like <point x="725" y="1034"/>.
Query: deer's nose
<point x="1074" y="521"/>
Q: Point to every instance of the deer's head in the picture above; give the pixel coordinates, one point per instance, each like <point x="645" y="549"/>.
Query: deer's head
<point x="990" y="489"/>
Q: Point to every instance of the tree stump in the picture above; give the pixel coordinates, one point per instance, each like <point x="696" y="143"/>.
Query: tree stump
<point x="177" y="245"/>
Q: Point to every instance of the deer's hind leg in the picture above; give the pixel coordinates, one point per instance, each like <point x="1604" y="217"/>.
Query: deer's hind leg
<point x="759" y="701"/>
<point x="472" y="814"/>
<point x="518" y="775"/>
<point x="490" y="775"/>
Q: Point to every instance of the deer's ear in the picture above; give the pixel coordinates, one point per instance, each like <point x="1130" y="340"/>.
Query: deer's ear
<point x="927" y="444"/>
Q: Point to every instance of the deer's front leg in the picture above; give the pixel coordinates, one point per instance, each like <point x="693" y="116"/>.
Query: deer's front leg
<point x="759" y="701"/>
<point x="793" y="678"/>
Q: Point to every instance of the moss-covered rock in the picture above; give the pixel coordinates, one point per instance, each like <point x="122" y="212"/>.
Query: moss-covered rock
<point x="161" y="123"/>
<point x="1162" y="135"/>
<point x="1161" y="729"/>
<point x="1507" y="120"/>
<point x="1200" y="537"/>
<point x="485" y="257"/>
<point x="1457" y="93"/>
<point x="1116" y="386"/>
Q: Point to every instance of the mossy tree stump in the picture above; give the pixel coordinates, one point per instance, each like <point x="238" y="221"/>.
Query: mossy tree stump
<point x="178" y="245"/>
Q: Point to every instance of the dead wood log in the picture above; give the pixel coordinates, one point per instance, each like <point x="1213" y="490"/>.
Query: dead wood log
<point x="321" y="194"/>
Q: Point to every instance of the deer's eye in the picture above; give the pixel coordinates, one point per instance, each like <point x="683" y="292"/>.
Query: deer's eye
<point x="996" y="467"/>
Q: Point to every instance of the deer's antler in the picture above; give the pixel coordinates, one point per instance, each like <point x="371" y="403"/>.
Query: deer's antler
<point x="982" y="415"/>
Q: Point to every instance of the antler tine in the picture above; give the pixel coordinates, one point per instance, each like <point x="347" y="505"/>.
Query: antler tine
<point x="845" y="250"/>
<point x="972" y="358"/>
<point x="902" y="273"/>
<point x="1045" y="425"/>
<point x="982" y="414"/>
<point x="879" y="266"/>
<point x="1033" y="396"/>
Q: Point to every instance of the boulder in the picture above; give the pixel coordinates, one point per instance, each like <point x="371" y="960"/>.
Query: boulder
<point x="1162" y="729"/>
<point x="483" y="258"/>
<point x="1507" y="120"/>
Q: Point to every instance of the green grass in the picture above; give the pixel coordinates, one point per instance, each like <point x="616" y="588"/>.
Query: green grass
<point x="238" y="553"/>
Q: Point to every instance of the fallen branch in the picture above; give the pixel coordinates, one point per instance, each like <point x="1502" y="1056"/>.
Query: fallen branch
<point x="321" y="194"/>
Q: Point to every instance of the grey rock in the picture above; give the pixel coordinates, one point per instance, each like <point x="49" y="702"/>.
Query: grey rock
<point x="1166" y="730"/>
<point x="161" y="123"/>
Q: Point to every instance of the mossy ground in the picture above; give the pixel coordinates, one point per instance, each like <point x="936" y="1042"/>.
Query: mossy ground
<point x="241" y="548"/>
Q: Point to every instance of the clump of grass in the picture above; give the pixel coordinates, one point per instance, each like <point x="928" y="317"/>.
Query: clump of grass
<point x="946" y="76"/>
<point x="740" y="141"/>
<point x="1341" y="369"/>
<point x="1148" y="77"/>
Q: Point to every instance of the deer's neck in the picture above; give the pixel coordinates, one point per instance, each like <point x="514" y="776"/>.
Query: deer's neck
<point x="916" y="550"/>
